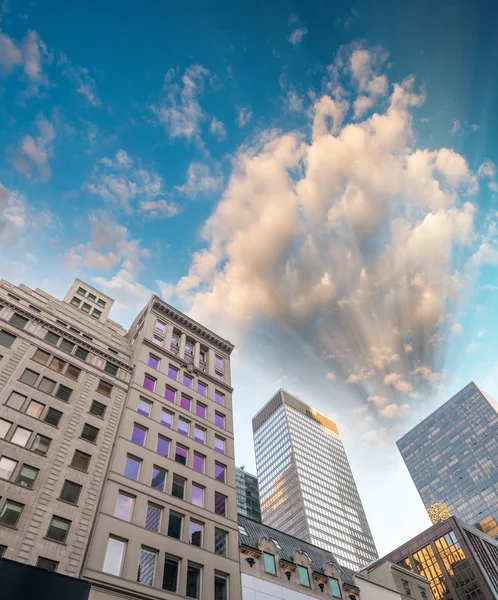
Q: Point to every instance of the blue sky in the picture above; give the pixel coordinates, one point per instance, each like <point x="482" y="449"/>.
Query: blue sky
<point x="319" y="186"/>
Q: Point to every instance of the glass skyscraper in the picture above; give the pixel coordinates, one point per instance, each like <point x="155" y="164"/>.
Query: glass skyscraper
<point x="305" y="483"/>
<point x="247" y="494"/>
<point x="452" y="456"/>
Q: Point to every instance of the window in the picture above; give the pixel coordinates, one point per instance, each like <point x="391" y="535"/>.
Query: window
<point x="73" y="372"/>
<point x="6" y="339"/>
<point x="81" y="291"/>
<point x="64" y="393"/>
<point x="52" y="338"/>
<point x="187" y="381"/>
<point x="57" y="364"/>
<point x="169" y="394"/>
<point x="202" y="355"/>
<point x="97" y="409"/>
<point x="101" y="303"/>
<point x="53" y="417"/>
<point x="220" y="542"/>
<point x="75" y="301"/>
<point x="7" y="467"/>
<point x="199" y="462"/>
<point x="161" y="327"/>
<point x="201" y="388"/>
<point x="166" y="418"/>
<point x="111" y="369"/>
<point x="175" y="525"/>
<point x="219" y="420"/>
<point x="220" y="586"/>
<point x="149" y="383"/>
<point x="175" y="339"/>
<point x="18" y="321"/>
<point x="11" y="512"/>
<point x="173" y="373"/>
<point x="47" y="385"/>
<point x="269" y="563"/>
<point x="181" y="454"/>
<point x="185" y="402"/>
<point x="218" y="362"/>
<point x="170" y="576"/>
<point x="70" y="492"/>
<point x="195" y="533"/>
<point x="158" y="479"/>
<point x="124" y="506"/>
<point x="219" y="444"/>
<point x="81" y="353"/>
<point x="304" y="576"/>
<point x="138" y="434"/>
<point x="96" y="313"/>
<point x="193" y="581"/>
<point x="153" y="517"/>
<point x="29" y="377"/>
<point x="132" y="467"/>
<point x="144" y="407"/>
<point x="81" y="460"/>
<point x="183" y="426"/>
<point x="21" y="436"/>
<point x="114" y="555"/>
<point x="86" y="307"/>
<point x="90" y="433"/>
<point x="197" y="495"/>
<point x="92" y="297"/>
<point x="406" y="587"/>
<point x="16" y="400"/>
<point x="153" y="361"/>
<point x="162" y="445"/>
<point x="157" y="340"/>
<point x="40" y="356"/>
<point x="220" y="504"/>
<point x="104" y="388"/>
<point x="47" y="564"/>
<point x="35" y="409"/>
<point x="189" y="347"/>
<point x="27" y="476"/>
<point x="178" y="488"/>
<point x="219" y="398"/>
<point x="58" y="530"/>
<point x="218" y="375"/>
<point x="67" y="346"/>
<point x="200" y="410"/>
<point x="220" y="472"/>
<point x="41" y="444"/>
<point x="4" y="428"/>
<point x="146" y="566"/>
<point x="423" y="593"/>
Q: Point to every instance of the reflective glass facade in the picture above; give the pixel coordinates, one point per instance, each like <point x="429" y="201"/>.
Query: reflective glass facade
<point x="452" y="457"/>
<point x="305" y="483"/>
<point x="247" y="495"/>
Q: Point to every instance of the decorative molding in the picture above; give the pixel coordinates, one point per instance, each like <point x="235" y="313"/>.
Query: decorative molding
<point x="250" y="551"/>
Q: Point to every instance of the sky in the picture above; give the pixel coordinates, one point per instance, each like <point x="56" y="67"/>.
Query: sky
<point x="315" y="182"/>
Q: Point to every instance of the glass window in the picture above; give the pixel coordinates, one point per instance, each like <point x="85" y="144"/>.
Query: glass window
<point x="219" y="444"/>
<point x="11" y="512"/>
<point x="73" y="372"/>
<point x="75" y="301"/>
<point x="157" y="340"/>
<point x="92" y="297"/>
<point x="181" y="454"/>
<point x="218" y="361"/>
<point x="144" y="407"/>
<point x="158" y="479"/>
<point x="193" y="581"/>
<point x="41" y="444"/>
<point x="47" y="564"/>
<point x="199" y="462"/>
<point x="187" y="381"/>
<point x="175" y="525"/>
<point x="169" y="394"/>
<point x="47" y="385"/>
<point x="269" y="563"/>
<point x="35" y="409"/>
<point x="81" y="460"/>
<point x="53" y="417"/>
<point x="7" y="466"/>
<point x="52" y="338"/>
<point x="64" y="393"/>
<point x="173" y="373"/>
<point x="111" y="368"/>
<point x="114" y="555"/>
<point x="219" y="398"/>
<point x="97" y="409"/>
<point x="166" y="418"/>
<point x="138" y="434"/>
<point x="195" y="533"/>
<point x="29" y="377"/>
<point x="220" y="472"/>
<point x="90" y="433"/>
<point x="4" y="428"/>
<point x="185" y="402"/>
<point x="178" y="488"/>
<point x="175" y="339"/>
<point x="16" y="400"/>
<point x="220" y="542"/>
<point x="202" y="388"/>
<point x="218" y="375"/>
<point x="70" y="492"/>
<point x="304" y="576"/>
<point x="200" y="410"/>
<point x="27" y="476"/>
<point x="161" y="327"/>
<point x="81" y="353"/>
<point x="219" y="420"/>
<point x="147" y="566"/>
<point x="132" y="467"/>
<point x="21" y="436"/>
<point x="81" y="291"/>
<point x="40" y="356"/>
<point x="86" y="307"/>
<point x="153" y="361"/>
<point x="67" y="346"/>
<point x="220" y="504"/>
<point x="58" y="530"/>
<point x="149" y="383"/>
<point x="183" y="426"/>
<point x="96" y="313"/>
<point x="104" y="388"/>
<point x="170" y="576"/>
<point x="162" y="445"/>
<point x="101" y="303"/>
<point x="18" y="321"/>
<point x="124" y="506"/>
<point x="153" y="517"/>
<point x="6" y="339"/>
<point x="197" y="495"/>
<point x="202" y="355"/>
<point x="189" y="347"/>
<point x="220" y="586"/>
<point x="57" y="364"/>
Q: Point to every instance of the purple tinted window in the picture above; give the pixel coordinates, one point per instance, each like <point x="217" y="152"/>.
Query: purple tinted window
<point x="200" y="410"/>
<point x="189" y="347"/>
<point x="173" y="373"/>
<point x="188" y="381"/>
<point x="138" y="434"/>
<point x="162" y="445"/>
<point x="195" y="534"/>
<point x="202" y="388"/>
<point x="198" y="495"/>
<point x="132" y="467"/>
<point x="199" y="462"/>
<point x="183" y="427"/>
<point x="200" y="435"/>
<point x="218" y="376"/>
<point x="144" y="407"/>
<point x="169" y="394"/>
<point x="219" y="472"/>
<point x="219" y="398"/>
<point x="160" y="326"/>
<point x="149" y="383"/>
<point x="175" y="339"/>
<point x="153" y="362"/>
<point x="181" y="455"/>
<point x="166" y="418"/>
<point x="157" y="340"/>
<point x="219" y="420"/>
<point x="202" y="356"/>
<point x="220" y="505"/>
<point x="219" y="444"/>
<point x="218" y="361"/>
<point x="158" y="479"/>
<point x="185" y="402"/>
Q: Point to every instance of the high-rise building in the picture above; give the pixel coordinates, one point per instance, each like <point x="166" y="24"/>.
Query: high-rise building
<point x="247" y="494"/>
<point x="116" y="447"/>
<point x="452" y="456"/>
<point x="305" y="482"/>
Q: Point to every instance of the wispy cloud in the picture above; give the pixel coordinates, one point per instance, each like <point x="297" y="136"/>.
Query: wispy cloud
<point x="81" y="79"/>
<point x="296" y="35"/>
<point x="200" y="180"/>
<point x="243" y="115"/>
<point x="34" y="152"/>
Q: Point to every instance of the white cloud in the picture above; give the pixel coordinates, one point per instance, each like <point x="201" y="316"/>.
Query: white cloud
<point x="35" y="55"/>
<point x="293" y="102"/>
<point x="331" y="375"/>
<point x="456" y="126"/>
<point x="488" y="171"/>
<point x="243" y="115"/>
<point x="158" y="208"/>
<point x="36" y="151"/>
<point x="84" y="83"/>
<point x="427" y="373"/>
<point x="456" y="329"/>
<point x="19" y="221"/>
<point x="200" y="180"/>
<point x="217" y="128"/>
<point x="10" y="54"/>
<point x="296" y="35"/>
<point x="378" y="400"/>
<point x="394" y="411"/>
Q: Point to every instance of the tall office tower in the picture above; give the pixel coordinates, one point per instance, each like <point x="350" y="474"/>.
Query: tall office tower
<point x="305" y="482"/>
<point x="247" y="495"/>
<point x="452" y="456"/>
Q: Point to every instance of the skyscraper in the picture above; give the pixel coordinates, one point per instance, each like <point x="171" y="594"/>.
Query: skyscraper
<point x="305" y="483"/>
<point x="247" y="494"/>
<point x="452" y="456"/>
